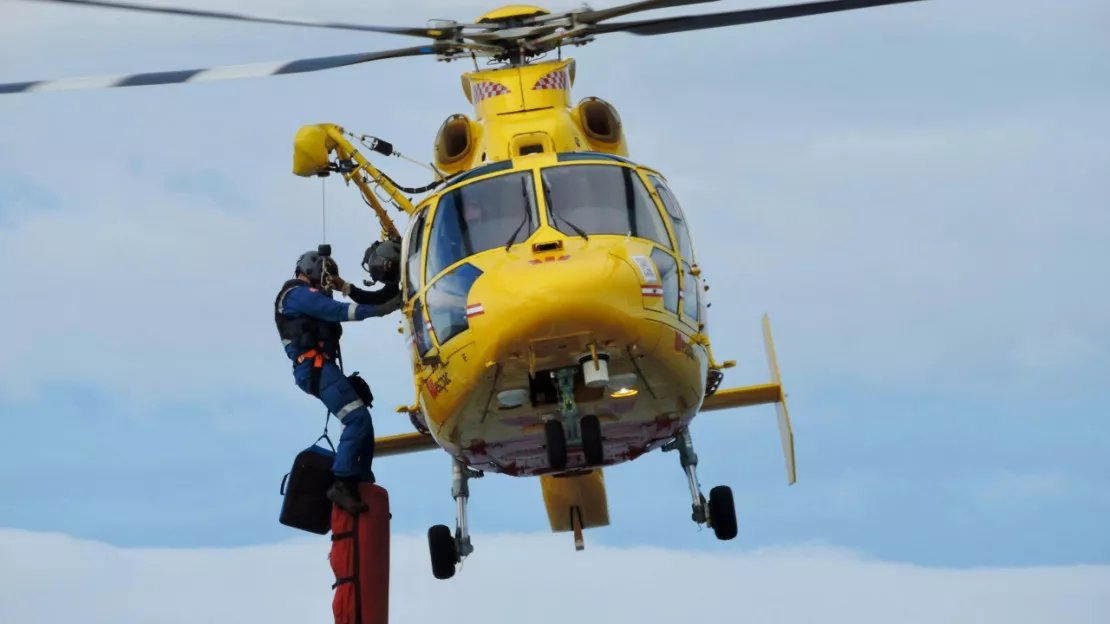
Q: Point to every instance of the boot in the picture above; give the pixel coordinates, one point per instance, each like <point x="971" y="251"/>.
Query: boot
<point x="344" y="493"/>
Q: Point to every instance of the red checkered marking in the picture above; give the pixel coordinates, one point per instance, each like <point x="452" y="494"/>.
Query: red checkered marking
<point x="558" y="79"/>
<point x="486" y="89"/>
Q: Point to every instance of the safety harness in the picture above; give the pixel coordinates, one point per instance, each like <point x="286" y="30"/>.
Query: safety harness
<point x="318" y="356"/>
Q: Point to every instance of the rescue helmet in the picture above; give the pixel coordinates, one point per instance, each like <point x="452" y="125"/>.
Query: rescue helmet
<point x="311" y="265"/>
<point x="382" y="261"/>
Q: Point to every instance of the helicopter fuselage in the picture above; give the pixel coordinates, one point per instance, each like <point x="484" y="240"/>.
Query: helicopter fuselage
<point x="595" y="280"/>
<point x="554" y="307"/>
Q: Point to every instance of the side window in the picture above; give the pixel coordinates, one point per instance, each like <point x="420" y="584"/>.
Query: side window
<point x="447" y="302"/>
<point x="668" y="275"/>
<point x="690" y="292"/>
<point x="420" y="329"/>
<point x="678" y="219"/>
<point x="414" y="244"/>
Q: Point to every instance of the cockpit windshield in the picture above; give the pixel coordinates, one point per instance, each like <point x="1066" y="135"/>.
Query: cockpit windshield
<point x="601" y="199"/>
<point x="480" y="216"/>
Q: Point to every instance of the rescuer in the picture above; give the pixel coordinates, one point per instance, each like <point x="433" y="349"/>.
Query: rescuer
<point x="309" y="322"/>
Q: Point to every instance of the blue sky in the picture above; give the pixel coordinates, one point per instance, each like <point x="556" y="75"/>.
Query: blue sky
<point x="915" y="194"/>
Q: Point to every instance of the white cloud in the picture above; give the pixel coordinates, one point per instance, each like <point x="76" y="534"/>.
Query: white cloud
<point x="160" y="293"/>
<point x="48" y="578"/>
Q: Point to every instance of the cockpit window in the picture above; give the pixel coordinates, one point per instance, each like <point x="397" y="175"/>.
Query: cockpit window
<point x="481" y="216"/>
<point x="601" y="199"/>
<point x="413" y="246"/>
<point x="678" y="219"/>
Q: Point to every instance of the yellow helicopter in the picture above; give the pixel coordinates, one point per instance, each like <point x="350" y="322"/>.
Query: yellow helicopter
<point x="554" y="305"/>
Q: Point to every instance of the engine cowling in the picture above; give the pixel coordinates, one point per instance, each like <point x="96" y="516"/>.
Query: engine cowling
<point x="601" y="126"/>
<point x="455" y="143"/>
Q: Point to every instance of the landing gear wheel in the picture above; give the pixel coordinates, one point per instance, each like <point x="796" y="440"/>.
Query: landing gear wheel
<point x="441" y="543"/>
<point x="592" y="446"/>
<point x="556" y="444"/>
<point x="722" y="512"/>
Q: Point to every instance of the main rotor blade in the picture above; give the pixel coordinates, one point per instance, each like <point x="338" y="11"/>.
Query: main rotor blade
<point x="668" y="25"/>
<point x="432" y="33"/>
<point x="593" y="17"/>
<point x="216" y="73"/>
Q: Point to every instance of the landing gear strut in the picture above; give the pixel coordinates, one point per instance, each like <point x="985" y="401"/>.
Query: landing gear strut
<point x="719" y="513"/>
<point x="446" y="549"/>
<point x="570" y="430"/>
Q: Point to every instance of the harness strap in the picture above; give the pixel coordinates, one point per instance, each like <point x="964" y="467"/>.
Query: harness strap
<point x="318" y="357"/>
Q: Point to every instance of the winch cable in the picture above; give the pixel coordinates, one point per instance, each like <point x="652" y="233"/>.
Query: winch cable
<point x="324" y="276"/>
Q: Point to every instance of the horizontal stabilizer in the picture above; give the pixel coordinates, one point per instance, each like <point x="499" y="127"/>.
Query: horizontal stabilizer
<point x="404" y="443"/>
<point x="762" y="394"/>
<point x="746" y="396"/>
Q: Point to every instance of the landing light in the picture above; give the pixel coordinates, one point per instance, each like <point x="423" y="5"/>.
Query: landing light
<point x="622" y="385"/>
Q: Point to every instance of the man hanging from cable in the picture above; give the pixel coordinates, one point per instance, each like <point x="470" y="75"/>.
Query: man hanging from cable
<point x="309" y="322"/>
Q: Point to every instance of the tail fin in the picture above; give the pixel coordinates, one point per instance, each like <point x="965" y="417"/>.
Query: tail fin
<point x="786" y="433"/>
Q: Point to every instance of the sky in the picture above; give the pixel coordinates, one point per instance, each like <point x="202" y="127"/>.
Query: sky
<point x="915" y="194"/>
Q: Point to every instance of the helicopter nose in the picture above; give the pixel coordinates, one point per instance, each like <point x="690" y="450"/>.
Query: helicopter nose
<point x="589" y="294"/>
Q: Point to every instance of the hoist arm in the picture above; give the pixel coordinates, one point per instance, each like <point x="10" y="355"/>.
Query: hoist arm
<point x="311" y="149"/>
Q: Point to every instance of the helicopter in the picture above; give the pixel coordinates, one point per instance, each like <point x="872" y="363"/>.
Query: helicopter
<point x="554" y="309"/>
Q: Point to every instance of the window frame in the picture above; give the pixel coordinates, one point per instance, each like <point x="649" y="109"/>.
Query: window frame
<point x="592" y="161"/>
<point x="419" y="216"/>
<point x="537" y="214"/>
<point x="436" y="339"/>
<point x="657" y="182"/>
<point x="687" y="270"/>
<point x="677" y="311"/>
<point x="422" y="330"/>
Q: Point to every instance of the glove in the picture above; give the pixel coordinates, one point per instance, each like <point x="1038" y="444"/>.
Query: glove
<point x="391" y="306"/>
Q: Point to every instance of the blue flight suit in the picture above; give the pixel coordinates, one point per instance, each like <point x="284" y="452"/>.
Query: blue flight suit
<point x="355" y="452"/>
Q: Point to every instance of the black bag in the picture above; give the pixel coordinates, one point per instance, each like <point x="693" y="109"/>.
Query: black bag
<point x="306" y="504"/>
<point x="362" y="389"/>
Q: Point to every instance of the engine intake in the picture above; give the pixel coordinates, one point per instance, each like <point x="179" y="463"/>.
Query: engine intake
<point x="455" y="143"/>
<point x="601" y="125"/>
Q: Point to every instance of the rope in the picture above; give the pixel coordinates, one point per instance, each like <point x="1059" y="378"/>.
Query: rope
<point x="323" y="240"/>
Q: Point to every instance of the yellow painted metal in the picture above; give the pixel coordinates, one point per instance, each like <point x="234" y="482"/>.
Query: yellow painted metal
<point x="311" y="142"/>
<point x="512" y="10"/>
<point x="575" y="502"/>
<point x="786" y="432"/>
